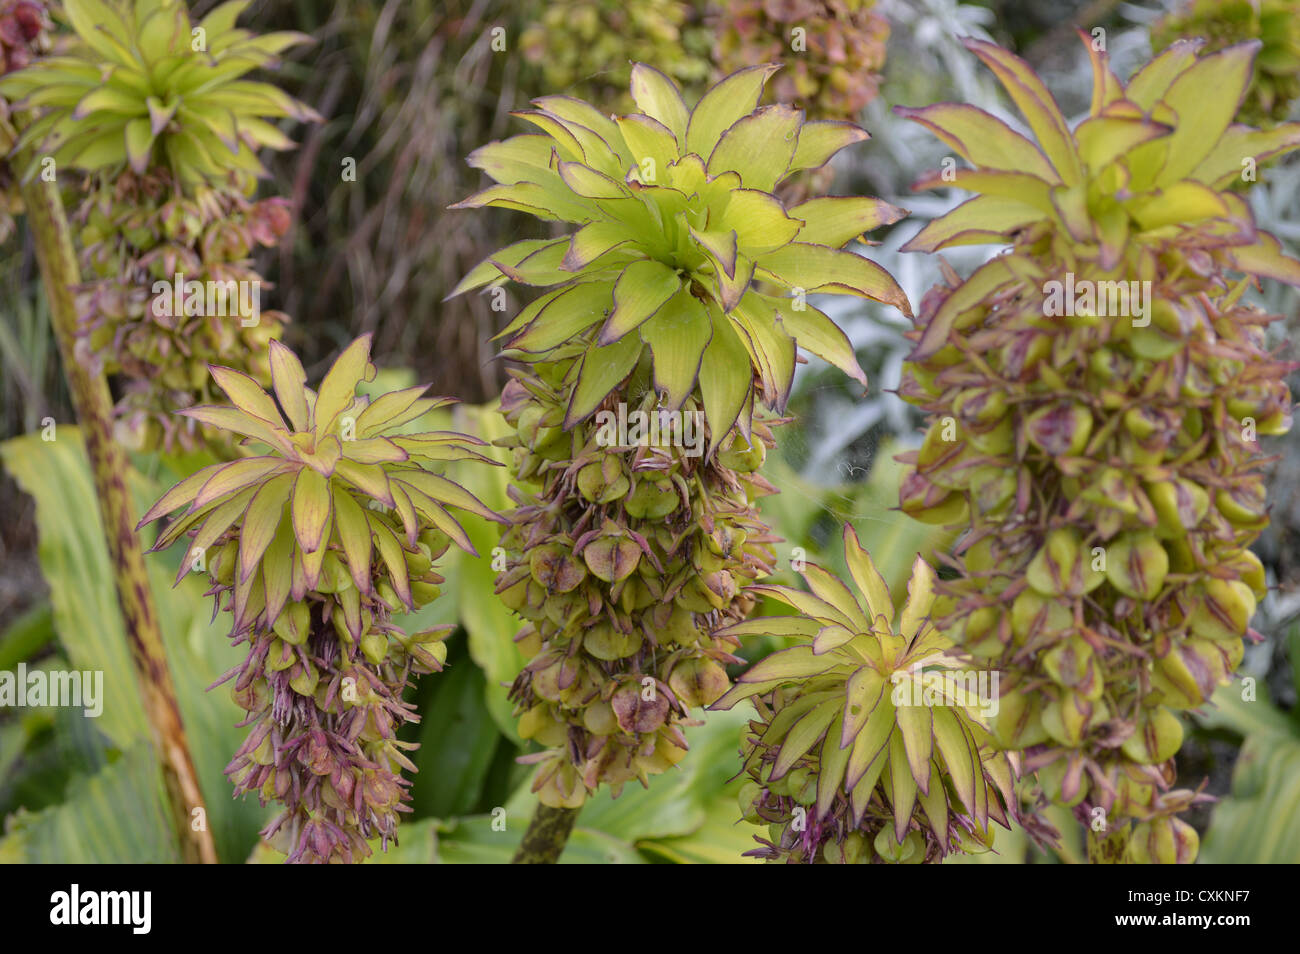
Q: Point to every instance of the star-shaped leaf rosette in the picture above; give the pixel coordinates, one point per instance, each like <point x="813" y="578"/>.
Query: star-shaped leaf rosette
<point x="871" y="742"/>
<point x="678" y="300"/>
<point x="329" y="527"/>
<point x="141" y="85"/>
<point x="682" y="249"/>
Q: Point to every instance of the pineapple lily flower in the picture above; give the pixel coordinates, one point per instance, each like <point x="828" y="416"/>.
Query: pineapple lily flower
<point x="679" y="296"/>
<point x="317" y="540"/>
<point x="1103" y="456"/>
<point x="869" y="742"/>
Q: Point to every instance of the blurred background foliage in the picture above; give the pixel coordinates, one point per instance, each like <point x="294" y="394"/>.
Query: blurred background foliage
<point x="408" y="88"/>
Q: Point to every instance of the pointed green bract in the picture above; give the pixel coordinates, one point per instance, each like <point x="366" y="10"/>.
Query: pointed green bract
<point x="1091" y="393"/>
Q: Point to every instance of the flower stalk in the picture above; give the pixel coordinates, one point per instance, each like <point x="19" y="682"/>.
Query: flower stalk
<point x="547" y="835"/>
<point x="93" y="405"/>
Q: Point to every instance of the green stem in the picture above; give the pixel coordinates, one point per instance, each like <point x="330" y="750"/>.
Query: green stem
<point x="94" y="408"/>
<point x="546" y="837"/>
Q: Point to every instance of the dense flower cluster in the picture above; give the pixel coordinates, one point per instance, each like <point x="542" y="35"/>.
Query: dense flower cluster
<point x="679" y="298"/>
<point x="170" y="287"/>
<point x="583" y="47"/>
<point x="625" y="558"/>
<point x="1275" y="84"/>
<point x="833" y="50"/>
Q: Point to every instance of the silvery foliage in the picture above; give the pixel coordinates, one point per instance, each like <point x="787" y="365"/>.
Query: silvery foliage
<point x="924" y="42"/>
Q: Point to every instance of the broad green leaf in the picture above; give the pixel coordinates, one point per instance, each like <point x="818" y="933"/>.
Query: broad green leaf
<point x="489" y="625"/>
<point x="759" y="220"/>
<point x="574" y="110"/>
<point x="804" y="734"/>
<point x="1150" y="83"/>
<point x="75" y="564"/>
<point x="815" y="332"/>
<point x="795" y="663"/>
<point x="246" y="394"/>
<point x="311" y="508"/>
<point x="1182" y="203"/>
<point x="590" y="184"/>
<point x="648" y="139"/>
<point x="914" y="727"/>
<point x="354" y="535"/>
<point x="772" y="347"/>
<point x="1266" y="259"/>
<point x="935" y="803"/>
<point x="871" y="740"/>
<point x="805" y="603"/>
<point x="862" y="694"/>
<point x="574" y="310"/>
<point x="1035" y="103"/>
<point x="289" y="378"/>
<point x="489" y="270"/>
<point x="339" y="387"/>
<point x="261" y="520"/>
<point x="235" y="476"/>
<point x="1223" y="163"/>
<point x="1003" y="185"/>
<point x="114" y="817"/>
<point x="981" y="220"/>
<point x="900" y="785"/>
<point x="920" y="598"/>
<point x="834" y="759"/>
<point x="1105" y="138"/>
<point x="830" y="589"/>
<point x="982" y="139"/>
<point x="959" y="755"/>
<point x="1205" y="97"/>
<point x="458" y="740"/>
